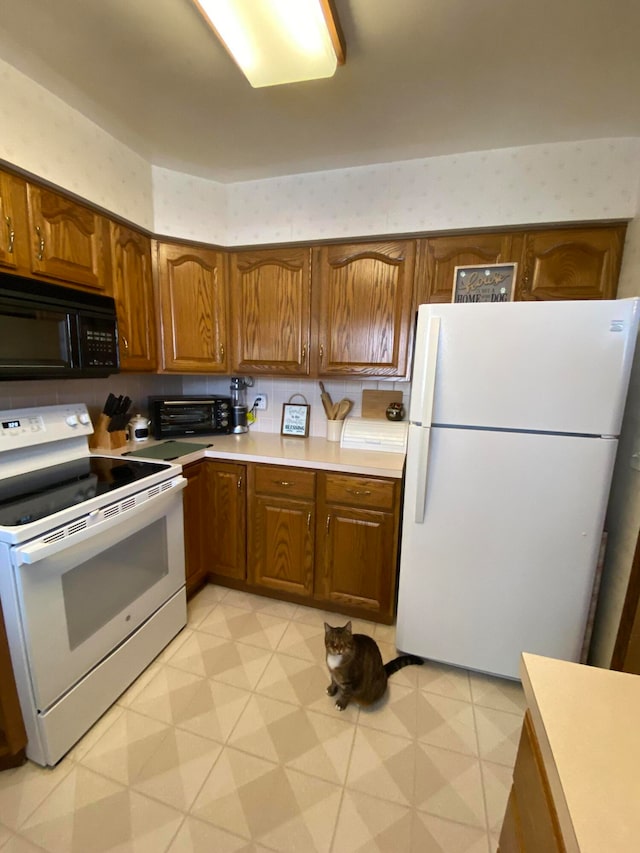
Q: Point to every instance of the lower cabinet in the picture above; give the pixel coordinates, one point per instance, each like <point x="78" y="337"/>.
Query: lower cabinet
<point x="530" y="823"/>
<point x="313" y="537"/>
<point x="13" y="738"/>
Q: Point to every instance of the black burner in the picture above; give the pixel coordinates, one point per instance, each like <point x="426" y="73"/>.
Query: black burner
<point x="37" y="494"/>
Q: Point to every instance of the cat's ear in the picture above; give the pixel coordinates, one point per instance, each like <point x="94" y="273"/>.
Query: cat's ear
<point x="327" y="628"/>
<point x="347" y="627"/>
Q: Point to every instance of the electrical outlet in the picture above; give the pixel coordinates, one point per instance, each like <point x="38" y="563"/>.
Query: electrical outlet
<point x="261" y="402"/>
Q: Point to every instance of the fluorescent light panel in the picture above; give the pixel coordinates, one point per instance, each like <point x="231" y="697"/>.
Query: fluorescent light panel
<point x="276" y="41"/>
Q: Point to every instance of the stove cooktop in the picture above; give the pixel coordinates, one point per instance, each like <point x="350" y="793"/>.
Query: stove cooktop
<point x="37" y="494"/>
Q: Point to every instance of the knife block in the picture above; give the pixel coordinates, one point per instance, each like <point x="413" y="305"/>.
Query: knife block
<point x="102" y="439"/>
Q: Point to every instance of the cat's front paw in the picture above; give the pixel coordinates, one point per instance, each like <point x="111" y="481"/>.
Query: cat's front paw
<point x="332" y="689"/>
<point x="341" y="704"/>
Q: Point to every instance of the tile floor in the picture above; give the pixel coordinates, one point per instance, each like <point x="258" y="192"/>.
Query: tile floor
<point x="228" y="742"/>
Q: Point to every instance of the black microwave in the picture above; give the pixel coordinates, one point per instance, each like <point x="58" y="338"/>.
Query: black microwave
<point x="189" y="415"/>
<point x="52" y="332"/>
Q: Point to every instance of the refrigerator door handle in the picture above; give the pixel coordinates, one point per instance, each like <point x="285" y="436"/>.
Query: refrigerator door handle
<point x="426" y="378"/>
<point x="422" y="474"/>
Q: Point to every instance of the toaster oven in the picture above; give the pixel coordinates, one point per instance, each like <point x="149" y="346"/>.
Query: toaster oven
<point x="192" y="415"/>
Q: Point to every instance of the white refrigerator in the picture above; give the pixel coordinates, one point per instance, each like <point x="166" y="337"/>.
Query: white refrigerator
<point x="513" y="422"/>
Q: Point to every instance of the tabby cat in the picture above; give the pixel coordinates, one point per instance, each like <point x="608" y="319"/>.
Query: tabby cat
<point x="356" y="668"/>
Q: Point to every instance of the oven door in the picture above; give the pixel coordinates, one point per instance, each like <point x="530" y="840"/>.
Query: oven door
<point x="80" y="597"/>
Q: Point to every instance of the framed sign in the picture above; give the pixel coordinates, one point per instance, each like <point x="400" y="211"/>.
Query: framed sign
<point x="295" y="419"/>
<point x="490" y="283"/>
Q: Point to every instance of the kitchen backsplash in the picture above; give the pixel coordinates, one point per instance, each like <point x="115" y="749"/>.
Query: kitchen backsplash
<point x="93" y="392"/>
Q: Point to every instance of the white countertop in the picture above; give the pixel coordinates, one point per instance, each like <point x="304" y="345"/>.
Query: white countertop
<point x="588" y="725"/>
<point x="276" y="449"/>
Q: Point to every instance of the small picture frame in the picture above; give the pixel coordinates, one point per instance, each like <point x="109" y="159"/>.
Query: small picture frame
<point x="488" y="283"/>
<point x="295" y="419"/>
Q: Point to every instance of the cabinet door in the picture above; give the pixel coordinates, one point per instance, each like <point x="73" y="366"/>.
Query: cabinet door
<point x="13" y="737"/>
<point x="439" y="256"/>
<point x="193" y="308"/>
<point x="225" y="524"/>
<point x="14" y="243"/>
<point x="363" y="298"/>
<point x="571" y="263"/>
<point x="133" y="292"/>
<point x="194" y="508"/>
<point x="271" y="311"/>
<point x="282" y="529"/>
<point x="356" y="555"/>
<point x="67" y="239"/>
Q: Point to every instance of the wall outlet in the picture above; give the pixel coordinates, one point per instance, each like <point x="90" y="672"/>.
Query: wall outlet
<point x="260" y="402"/>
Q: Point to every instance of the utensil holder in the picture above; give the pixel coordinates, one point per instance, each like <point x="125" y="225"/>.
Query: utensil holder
<point x="334" y="430"/>
<point x="102" y="439"/>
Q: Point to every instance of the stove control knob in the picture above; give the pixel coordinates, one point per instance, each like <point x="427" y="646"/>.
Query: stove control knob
<point x="84" y="418"/>
<point x="72" y="420"/>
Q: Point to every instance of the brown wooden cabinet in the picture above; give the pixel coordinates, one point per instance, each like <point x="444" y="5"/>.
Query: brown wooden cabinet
<point x="357" y="538"/>
<point x="531" y="822"/>
<point x="13" y="737"/>
<point x="195" y="510"/>
<point x="68" y="240"/>
<point x="282" y="529"/>
<point x="271" y="314"/>
<point x="133" y="292"/>
<point x="192" y="296"/>
<point x="439" y="256"/>
<point x="363" y="307"/>
<point x="571" y="263"/>
<point x="225" y="523"/>
<point x="14" y="242"/>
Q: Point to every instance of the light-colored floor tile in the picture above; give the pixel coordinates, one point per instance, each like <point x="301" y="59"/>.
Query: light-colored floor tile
<point x="223" y="660"/>
<point x="449" y="785"/>
<point x="498" y="735"/>
<point x="23" y="788"/>
<point x="313" y="743"/>
<point x="431" y="834"/>
<point x="203" y="603"/>
<point x="395" y="713"/>
<point x="197" y="836"/>
<point x="260" y="603"/>
<point x="304" y="640"/>
<point x="254" y="627"/>
<point x="293" y="679"/>
<point x="17" y="844"/>
<point x="497" y="781"/>
<point x="449" y="723"/>
<point x="499" y="693"/>
<point x="88" y="813"/>
<point x="268" y="803"/>
<point x="444" y="680"/>
<point x="369" y="825"/>
<point x="383" y="765"/>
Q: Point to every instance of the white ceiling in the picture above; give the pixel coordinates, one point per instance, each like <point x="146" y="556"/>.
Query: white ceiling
<point x="422" y="78"/>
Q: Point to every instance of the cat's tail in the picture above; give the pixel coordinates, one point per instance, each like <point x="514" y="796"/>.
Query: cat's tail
<point x="400" y="662"/>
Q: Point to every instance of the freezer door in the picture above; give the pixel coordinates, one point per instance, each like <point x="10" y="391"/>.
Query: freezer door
<point x="548" y="366"/>
<point x="505" y="559"/>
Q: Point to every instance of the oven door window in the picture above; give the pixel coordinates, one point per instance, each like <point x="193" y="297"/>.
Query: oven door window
<point x="78" y="604"/>
<point x="34" y="337"/>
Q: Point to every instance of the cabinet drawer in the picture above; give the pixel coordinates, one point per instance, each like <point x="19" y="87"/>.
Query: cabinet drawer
<point x="284" y="482"/>
<point x="360" y="491"/>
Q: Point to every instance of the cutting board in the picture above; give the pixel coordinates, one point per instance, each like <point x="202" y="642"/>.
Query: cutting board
<point x="168" y="450"/>
<point x="374" y="403"/>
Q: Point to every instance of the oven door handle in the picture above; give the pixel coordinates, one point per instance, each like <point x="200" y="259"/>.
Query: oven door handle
<point x="94" y="523"/>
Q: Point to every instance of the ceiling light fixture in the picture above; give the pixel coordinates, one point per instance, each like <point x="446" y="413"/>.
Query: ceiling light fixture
<point x="277" y="41"/>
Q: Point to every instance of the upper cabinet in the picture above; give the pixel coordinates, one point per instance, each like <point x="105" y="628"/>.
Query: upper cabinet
<point x="68" y="240"/>
<point x="363" y="308"/>
<point x="571" y="263"/>
<point x="192" y="296"/>
<point x="132" y="278"/>
<point x="270" y="309"/>
<point x="14" y="244"/>
<point x="439" y="256"/>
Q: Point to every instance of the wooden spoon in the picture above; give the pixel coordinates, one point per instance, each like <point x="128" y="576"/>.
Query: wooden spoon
<point x="327" y="402"/>
<point x="342" y="409"/>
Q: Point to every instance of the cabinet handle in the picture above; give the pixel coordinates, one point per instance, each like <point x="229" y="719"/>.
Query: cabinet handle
<point x="321" y="352"/>
<point x="358" y="492"/>
<point x="308" y="522"/>
<point x="240" y="482"/>
<point x="125" y="342"/>
<point x="12" y="234"/>
<point x="304" y="353"/>
<point x="40" y="254"/>
<point x="326" y="527"/>
<point x="221" y="352"/>
<point x="286" y="483"/>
